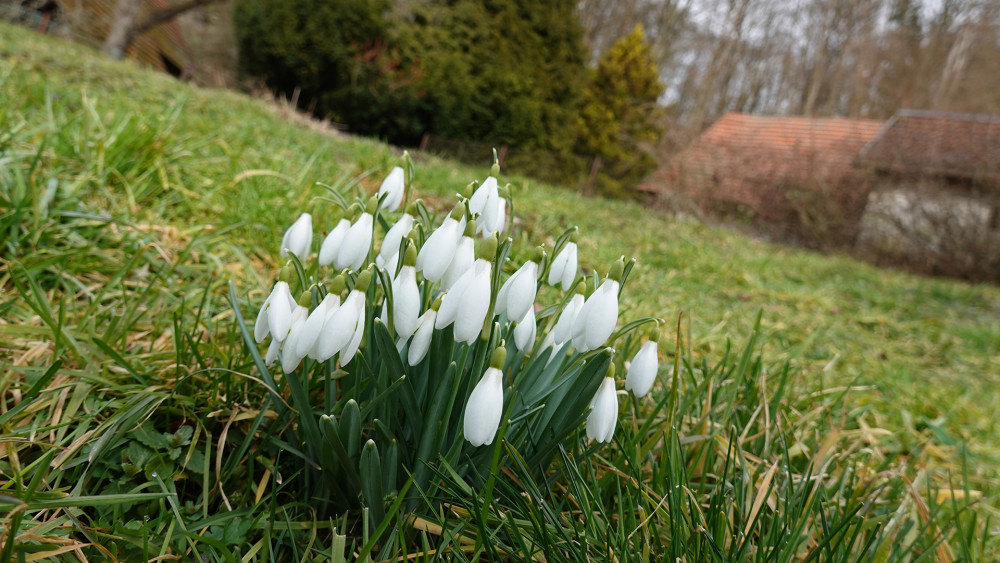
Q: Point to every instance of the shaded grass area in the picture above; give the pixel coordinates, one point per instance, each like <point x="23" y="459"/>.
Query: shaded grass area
<point x="130" y="200"/>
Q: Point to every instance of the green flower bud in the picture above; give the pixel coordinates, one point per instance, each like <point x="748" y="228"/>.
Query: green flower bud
<point x="364" y="280"/>
<point x="338" y="285"/>
<point x="488" y="248"/>
<point x="410" y="255"/>
<point x="372" y="205"/>
<point x="499" y="357"/>
<point x="287" y="273"/>
<point x="538" y="254"/>
<point x="495" y="169"/>
<point x="617" y="270"/>
<point x="306" y="299"/>
<point x="458" y="212"/>
<point x="611" y="370"/>
<point x="470" y="229"/>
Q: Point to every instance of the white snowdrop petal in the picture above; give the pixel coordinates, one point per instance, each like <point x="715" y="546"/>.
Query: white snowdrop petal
<point x="356" y="244"/>
<point x="347" y="354"/>
<point x="642" y="370"/>
<point x="475" y="303"/>
<point x="484" y="409"/>
<point x="332" y="243"/>
<point x="272" y="353"/>
<point x="421" y="338"/>
<point x="393" y="185"/>
<point x="298" y="237"/>
<point x="563" y="331"/>
<point x="261" y="328"/>
<point x="394" y="236"/>
<point x="570" y="267"/>
<point x="339" y="328"/>
<point x="435" y="256"/>
<point x="406" y="302"/>
<point x="521" y="296"/>
<point x="603" y="317"/>
<point x="524" y="332"/>
<point x="279" y="313"/>
<point x="314" y="324"/>
<point x="603" y="417"/>
<point x="464" y="258"/>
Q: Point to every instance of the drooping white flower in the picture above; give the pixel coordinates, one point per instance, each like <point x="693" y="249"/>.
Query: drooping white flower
<point x="356" y="244"/>
<point x="465" y="256"/>
<point x="642" y="370"/>
<point x="405" y="301"/>
<point x="314" y="324"/>
<point x="438" y="250"/>
<point x="597" y="318"/>
<point x="563" y="331"/>
<point x="290" y="357"/>
<point x="486" y="192"/>
<point x="275" y="316"/>
<point x="347" y="354"/>
<point x="394" y="185"/>
<point x="495" y="217"/>
<point x="341" y="326"/>
<point x="484" y="409"/>
<point x="603" y="416"/>
<point x="272" y="353"/>
<point x="564" y="266"/>
<point x="422" y="337"/>
<point x="524" y="332"/>
<point x="517" y="294"/>
<point x="332" y="243"/>
<point x="467" y="303"/>
<point x="390" y="243"/>
<point x="298" y="238"/>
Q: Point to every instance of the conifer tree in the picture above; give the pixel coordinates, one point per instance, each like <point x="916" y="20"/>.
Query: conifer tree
<point x="620" y="120"/>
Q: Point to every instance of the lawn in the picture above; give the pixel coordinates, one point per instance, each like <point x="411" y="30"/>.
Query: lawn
<point x="129" y="202"/>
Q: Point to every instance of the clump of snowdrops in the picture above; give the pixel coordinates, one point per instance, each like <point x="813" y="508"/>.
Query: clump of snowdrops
<point x="411" y="347"/>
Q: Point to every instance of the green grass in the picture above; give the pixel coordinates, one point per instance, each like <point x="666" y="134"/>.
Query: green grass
<point x="128" y="201"/>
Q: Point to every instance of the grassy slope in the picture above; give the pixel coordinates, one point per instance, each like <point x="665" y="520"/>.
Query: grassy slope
<point x="925" y="352"/>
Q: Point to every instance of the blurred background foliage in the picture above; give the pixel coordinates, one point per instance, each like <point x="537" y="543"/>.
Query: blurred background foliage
<point x="510" y="73"/>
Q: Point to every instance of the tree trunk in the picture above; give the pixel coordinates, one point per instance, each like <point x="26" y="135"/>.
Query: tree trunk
<point x="122" y="22"/>
<point x="125" y="29"/>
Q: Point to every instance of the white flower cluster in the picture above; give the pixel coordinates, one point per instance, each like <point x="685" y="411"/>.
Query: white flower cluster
<point x="447" y="282"/>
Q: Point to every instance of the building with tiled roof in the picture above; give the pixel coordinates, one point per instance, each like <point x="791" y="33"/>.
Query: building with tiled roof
<point x="746" y="159"/>
<point x="949" y="146"/>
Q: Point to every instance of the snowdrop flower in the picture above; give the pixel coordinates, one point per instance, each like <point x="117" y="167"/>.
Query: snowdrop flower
<point x="468" y="301"/>
<point x="406" y="296"/>
<point x="290" y="358"/>
<point x="524" y="332"/>
<point x="275" y="316"/>
<point x="464" y="258"/>
<point x="347" y="354"/>
<point x="298" y="238"/>
<point x="341" y="326"/>
<point x="422" y="337"/>
<point x="485" y="406"/>
<point x="357" y="241"/>
<point x="564" y="266"/>
<point x="486" y="192"/>
<point x="599" y="314"/>
<point x="603" y="416"/>
<point x="439" y="248"/>
<point x="642" y="370"/>
<point x="314" y="324"/>
<point x="518" y="293"/>
<point x="332" y="243"/>
<point x="393" y="237"/>
<point x="394" y="185"/>
<point x="563" y="331"/>
<point x="272" y="353"/>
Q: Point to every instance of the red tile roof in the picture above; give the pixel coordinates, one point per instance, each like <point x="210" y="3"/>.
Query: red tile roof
<point x="744" y="158"/>
<point x="938" y="144"/>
